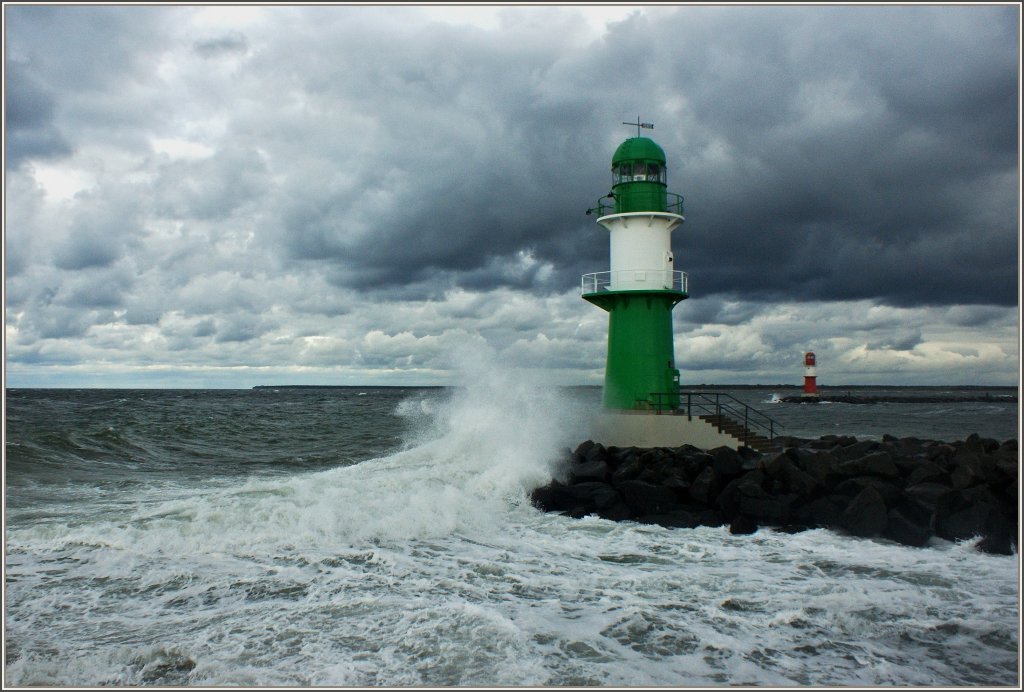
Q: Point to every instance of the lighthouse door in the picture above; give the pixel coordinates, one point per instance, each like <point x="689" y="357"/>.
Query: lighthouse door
<point x="667" y="266"/>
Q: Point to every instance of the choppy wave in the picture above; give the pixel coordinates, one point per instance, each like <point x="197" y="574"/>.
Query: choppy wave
<point x="425" y="565"/>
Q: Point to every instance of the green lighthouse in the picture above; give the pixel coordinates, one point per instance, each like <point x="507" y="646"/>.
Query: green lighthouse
<point x="642" y="286"/>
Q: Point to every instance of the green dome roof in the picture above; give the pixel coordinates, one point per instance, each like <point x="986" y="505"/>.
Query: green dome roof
<point x="638" y="149"/>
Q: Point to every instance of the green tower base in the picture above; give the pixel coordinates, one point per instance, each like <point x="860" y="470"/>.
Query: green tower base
<point x="640" y="372"/>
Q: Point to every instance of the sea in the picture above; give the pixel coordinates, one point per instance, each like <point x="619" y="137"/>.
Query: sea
<point x="383" y="537"/>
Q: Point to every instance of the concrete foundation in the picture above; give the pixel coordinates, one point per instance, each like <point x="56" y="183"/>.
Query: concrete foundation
<point x="647" y="429"/>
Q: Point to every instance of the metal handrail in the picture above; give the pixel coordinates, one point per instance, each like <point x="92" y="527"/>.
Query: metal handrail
<point x="711" y="403"/>
<point x="628" y="279"/>
<point x="673" y="205"/>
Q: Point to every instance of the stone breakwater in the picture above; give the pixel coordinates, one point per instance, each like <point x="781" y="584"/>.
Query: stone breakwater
<point x="893" y="399"/>
<point x="903" y="489"/>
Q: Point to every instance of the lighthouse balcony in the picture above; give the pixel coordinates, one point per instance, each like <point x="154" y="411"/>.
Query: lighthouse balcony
<point x="635" y="280"/>
<point x="672" y="203"/>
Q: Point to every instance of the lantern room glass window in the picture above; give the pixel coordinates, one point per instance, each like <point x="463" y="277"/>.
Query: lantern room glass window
<point x="638" y="172"/>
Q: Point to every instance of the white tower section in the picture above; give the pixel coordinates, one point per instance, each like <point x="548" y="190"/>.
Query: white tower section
<point x="641" y="250"/>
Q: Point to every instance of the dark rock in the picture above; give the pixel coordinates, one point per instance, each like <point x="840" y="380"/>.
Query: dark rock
<point x="909" y="446"/>
<point x="940" y="453"/>
<point x="967" y="522"/>
<point x="914" y="512"/>
<point x="584" y="497"/>
<point x="866" y="515"/>
<point x="955" y="491"/>
<point x="553" y="497"/>
<point x="728" y="498"/>
<point x="617" y="456"/>
<point x="705" y="486"/>
<point x="626" y="471"/>
<point x="875" y="464"/>
<point x="821" y="466"/>
<point x="661" y="467"/>
<point x="727" y="462"/>
<point x="926" y="471"/>
<point x="823" y="512"/>
<point x="1000" y="544"/>
<point x="906" y="531"/>
<point x="1009" y="467"/>
<point x="964" y="476"/>
<point x="696" y="463"/>
<point x="982" y="467"/>
<point x="976" y="511"/>
<point x="620" y="511"/>
<point x="589" y="471"/>
<point x="679" y="484"/>
<point x="888" y="489"/>
<point x="711" y="517"/>
<point x="594" y="495"/>
<point x="927" y="495"/>
<point x="792" y="479"/>
<point x="855" y="450"/>
<point x="980" y="493"/>
<point x="592" y="451"/>
<point x="981" y="445"/>
<point x="743" y="525"/>
<point x="777" y="466"/>
<point x="771" y="509"/>
<point x="1000" y="536"/>
<point x="647" y="498"/>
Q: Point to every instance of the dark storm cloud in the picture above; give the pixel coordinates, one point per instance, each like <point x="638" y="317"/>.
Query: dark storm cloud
<point x="30" y="131"/>
<point x="824" y="153"/>
<point x="857" y="141"/>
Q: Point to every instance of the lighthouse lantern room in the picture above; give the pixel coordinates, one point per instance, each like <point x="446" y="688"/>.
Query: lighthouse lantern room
<point x="642" y="285"/>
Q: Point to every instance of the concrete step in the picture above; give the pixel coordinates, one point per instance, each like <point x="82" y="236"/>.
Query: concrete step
<point x="736" y="430"/>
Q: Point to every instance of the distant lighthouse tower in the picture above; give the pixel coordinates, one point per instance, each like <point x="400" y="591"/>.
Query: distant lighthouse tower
<point x="642" y="286"/>
<point x="810" y="377"/>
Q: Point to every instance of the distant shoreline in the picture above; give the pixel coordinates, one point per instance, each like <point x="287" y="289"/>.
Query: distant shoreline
<point x="350" y="386"/>
<point x="1002" y="399"/>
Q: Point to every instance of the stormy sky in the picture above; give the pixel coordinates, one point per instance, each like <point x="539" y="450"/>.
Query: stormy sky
<point x="226" y="196"/>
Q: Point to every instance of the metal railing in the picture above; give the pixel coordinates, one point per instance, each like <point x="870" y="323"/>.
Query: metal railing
<point x="635" y="280"/>
<point x="720" y="406"/>
<point x="673" y="205"/>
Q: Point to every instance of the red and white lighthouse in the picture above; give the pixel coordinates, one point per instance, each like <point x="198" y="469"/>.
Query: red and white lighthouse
<point x="810" y="377"/>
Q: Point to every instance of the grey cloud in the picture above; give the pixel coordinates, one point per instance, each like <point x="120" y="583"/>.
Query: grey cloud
<point x="826" y="154"/>
<point x="209" y="188"/>
<point x="98" y="234"/>
<point x="239" y="328"/>
<point x="59" y="322"/>
<point x="898" y="342"/>
<point x="30" y="130"/>
<point x="231" y="42"/>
